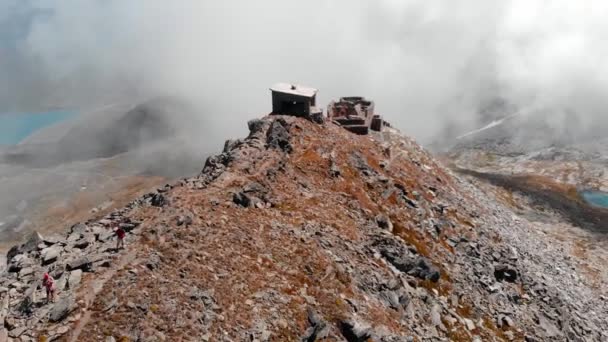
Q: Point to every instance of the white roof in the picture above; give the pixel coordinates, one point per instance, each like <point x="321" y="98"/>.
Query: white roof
<point x="294" y="89"/>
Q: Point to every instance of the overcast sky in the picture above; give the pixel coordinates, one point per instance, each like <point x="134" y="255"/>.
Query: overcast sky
<point x="424" y="62"/>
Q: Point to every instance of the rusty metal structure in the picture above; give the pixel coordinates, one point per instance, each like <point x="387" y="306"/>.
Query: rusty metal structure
<point x="356" y="114"/>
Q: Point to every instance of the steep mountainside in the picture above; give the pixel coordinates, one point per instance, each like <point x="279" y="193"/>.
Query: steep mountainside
<point x="306" y="232"/>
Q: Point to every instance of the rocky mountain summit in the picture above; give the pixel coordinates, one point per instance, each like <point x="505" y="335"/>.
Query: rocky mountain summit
<point x="304" y="231"/>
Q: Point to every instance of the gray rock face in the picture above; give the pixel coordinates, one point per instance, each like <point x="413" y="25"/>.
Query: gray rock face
<point x="61" y="309"/>
<point x="231" y="144"/>
<point x="505" y="273"/>
<point x="158" y="200"/>
<point x="318" y="327"/>
<point x="82" y="263"/>
<point x="74" y="279"/>
<point x="85" y="241"/>
<point x="50" y="254"/>
<point x="242" y="199"/>
<point x="52" y="239"/>
<point x="252" y="195"/>
<point x="384" y="222"/>
<point x="105" y="235"/>
<point x="184" y="220"/>
<point x="153" y="261"/>
<point x="317" y="118"/>
<point x="255" y="126"/>
<point x="278" y="136"/>
<point x="15" y="333"/>
<point x="19" y="262"/>
<point x="353" y="331"/>
<point x="406" y="262"/>
<point x="25" y="306"/>
<point x="32" y="241"/>
<point x="334" y="170"/>
<point x="79" y="228"/>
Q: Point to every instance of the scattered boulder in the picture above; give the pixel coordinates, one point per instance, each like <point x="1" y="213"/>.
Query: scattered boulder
<point x="14" y="251"/>
<point x="20" y="261"/>
<point x="436" y="315"/>
<point x="74" y="279"/>
<point x="105" y="235"/>
<point x="79" y="228"/>
<point x="231" y="144"/>
<point x="15" y="333"/>
<point x="469" y="324"/>
<point x="85" y="241"/>
<point x="33" y="240"/>
<point x="278" y="136"/>
<point x="158" y="200"/>
<point x="128" y="226"/>
<point x="184" y="220"/>
<point x="505" y="272"/>
<point x="404" y="261"/>
<point x="25" y="306"/>
<point x="359" y="162"/>
<point x="334" y="170"/>
<point x="53" y="239"/>
<point x="384" y="222"/>
<point x="255" y="126"/>
<point x="25" y="272"/>
<point x="424" y="269"/>
<point x="550" y="329"/>
<point x="318" y="327"/>
<point x="353" y="331"/>
<point x="82" y="263"/>
<point x="153" y="261"/>
<point x="317" y="117"/>
<point x="214" y="167"/>
<point x="250" y="196"/>
<point x="242" y="199"/>
<point x="61" y="309"/>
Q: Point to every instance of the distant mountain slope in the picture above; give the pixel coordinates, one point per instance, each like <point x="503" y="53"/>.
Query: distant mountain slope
<point x="104" y="134"/>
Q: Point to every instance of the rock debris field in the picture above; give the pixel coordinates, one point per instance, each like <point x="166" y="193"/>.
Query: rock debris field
<point x="305" y="232"/>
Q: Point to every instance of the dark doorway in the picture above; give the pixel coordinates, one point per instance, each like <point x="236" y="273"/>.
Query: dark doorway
<point x="298" y="108"/>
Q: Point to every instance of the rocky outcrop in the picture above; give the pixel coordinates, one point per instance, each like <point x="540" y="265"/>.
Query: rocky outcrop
<point x="87" y="247"/>
<point x="304" y="231"/>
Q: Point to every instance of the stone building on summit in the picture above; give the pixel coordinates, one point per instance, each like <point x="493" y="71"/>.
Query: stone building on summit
<point x="291" y="99"/>
<point x="354" y="113"/>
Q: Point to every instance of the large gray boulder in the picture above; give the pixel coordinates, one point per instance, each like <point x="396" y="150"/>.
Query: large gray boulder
<point x="74" y="279"/>
<point x="82" y="263"/>
<point x="50" y="254"/>
<point x="31" y="243"/>
<point x="61" y="309"/>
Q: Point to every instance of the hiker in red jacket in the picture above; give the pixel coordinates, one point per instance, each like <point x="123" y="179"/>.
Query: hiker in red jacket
<point x="49" y="283"/>
<point x="120" y="238"/>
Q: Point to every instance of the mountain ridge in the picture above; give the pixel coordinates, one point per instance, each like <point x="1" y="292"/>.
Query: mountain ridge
<point x="304" y="231"/>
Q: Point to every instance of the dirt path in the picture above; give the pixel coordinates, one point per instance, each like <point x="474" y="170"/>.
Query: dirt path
<point x="93" y="287"/>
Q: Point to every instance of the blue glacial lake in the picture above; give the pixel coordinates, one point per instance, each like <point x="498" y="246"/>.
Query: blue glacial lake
<point x="596" y="198"/>
<point x="14" y="127"/>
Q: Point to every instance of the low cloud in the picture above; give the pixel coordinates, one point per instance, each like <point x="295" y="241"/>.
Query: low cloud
<point x="428" y="64"/>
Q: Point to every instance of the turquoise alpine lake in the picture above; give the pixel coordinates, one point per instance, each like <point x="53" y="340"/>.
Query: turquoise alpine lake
<point x="14" y="127"/>
<point x="596" y="198"/>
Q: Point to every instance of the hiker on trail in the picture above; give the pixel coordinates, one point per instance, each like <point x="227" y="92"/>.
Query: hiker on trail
<point x="120" y="238"/>
<point x="49" y="283"/>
